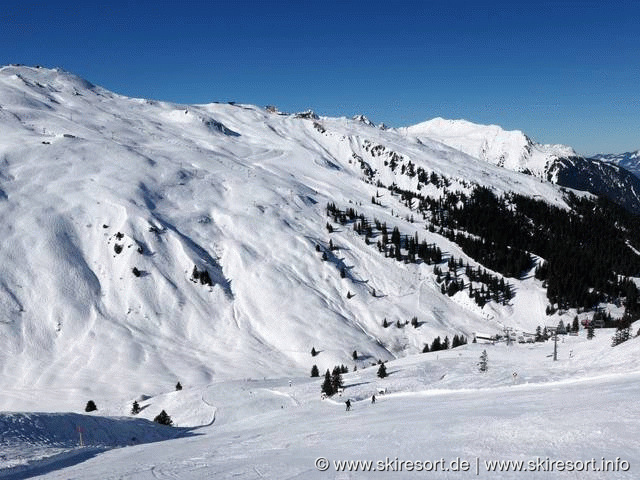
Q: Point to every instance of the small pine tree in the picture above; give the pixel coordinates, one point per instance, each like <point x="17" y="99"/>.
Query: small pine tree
<point x="483" y="364"/>
<point x="163" y="418"/>
<point x="355" y="355"/>
<point x="178" y="386"/>
<point x="623" y="333"/>
<point x="385" y="324"/>
<point x="205" y="279"/>
<point x="136" y="272"/>
<point x="91" y="406"/>
<point x="336" y="379"/>
<point x="382" y="371"/>
<point x="135" y="408"/>
<point x="538" y="336"/>
<point x="195" y="275"/>
<point x="314" y="371"/>
<point x="327" y="387"/>
<point x="591" y="331"/>
<point x="426" y="348"/>
<point x="313" y="351"/>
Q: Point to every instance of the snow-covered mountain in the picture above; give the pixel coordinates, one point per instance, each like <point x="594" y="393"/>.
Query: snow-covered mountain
<point x="110" y="203"/>
<point x="627" y="160"/>
<point x="559" y="164"/>
<point x="512" y="150"/>
<point x="145" y="242"/>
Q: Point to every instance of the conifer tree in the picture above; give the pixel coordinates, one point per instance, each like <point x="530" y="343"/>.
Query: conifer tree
<point x="538" y="337"/>
<point x="314" y="371"/>
<point x="178" y="386"/>
<point x="336" y="379"/>
<point x="327" y="386"/>
<point x="205" y="279"/>
<point x="163" y="419"/>
<point x="483" y="364"/>
<point x="91" y="406"/>
<point x="195" y="275"/>
<point x="382" y="371"/>
<point x="135" y="408"/>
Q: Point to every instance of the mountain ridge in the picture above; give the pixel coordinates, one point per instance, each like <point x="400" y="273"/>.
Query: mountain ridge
<point x="113" y="204"/>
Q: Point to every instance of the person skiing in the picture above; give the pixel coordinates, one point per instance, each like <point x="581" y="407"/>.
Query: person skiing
<point x="348" y="403"/>
<point x="373" y="398"/>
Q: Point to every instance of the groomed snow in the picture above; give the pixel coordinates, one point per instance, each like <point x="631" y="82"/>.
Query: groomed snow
<point x="436" y="406"/>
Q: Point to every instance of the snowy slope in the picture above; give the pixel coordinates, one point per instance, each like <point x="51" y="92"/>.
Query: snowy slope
<point x="436" y="406"/>
<point x="95" y="184"/>
<point x="509" y="149"/>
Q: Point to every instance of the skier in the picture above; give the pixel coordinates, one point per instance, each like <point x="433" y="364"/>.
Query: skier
<point x="348" y="402"/>
<point x="373" y="398"/>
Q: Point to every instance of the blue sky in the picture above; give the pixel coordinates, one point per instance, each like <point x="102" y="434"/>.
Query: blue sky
<point x="563" y="72"/>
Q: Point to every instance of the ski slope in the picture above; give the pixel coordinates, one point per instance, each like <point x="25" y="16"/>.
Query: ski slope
<point x="436" y="406"/>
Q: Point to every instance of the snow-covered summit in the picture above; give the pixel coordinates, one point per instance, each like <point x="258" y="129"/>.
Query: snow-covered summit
<point x="509" y="149"/>
<point x="363" y="119"/>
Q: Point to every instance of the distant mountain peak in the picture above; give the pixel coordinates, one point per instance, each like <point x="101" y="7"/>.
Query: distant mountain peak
<point x="627" y="160"/>
<point x="363" y="119"/>
<point x="511" y="149"/>
<point x="51" y="78"/>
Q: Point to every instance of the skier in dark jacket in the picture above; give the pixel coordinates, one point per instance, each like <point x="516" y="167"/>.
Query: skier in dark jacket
<point x="348" y="402"/>
<point x="373" y="398"/>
